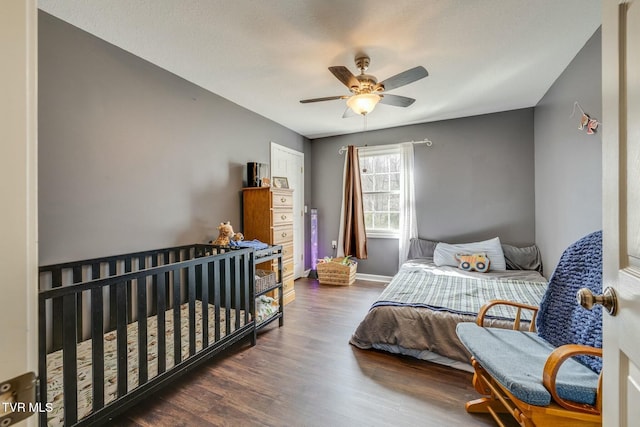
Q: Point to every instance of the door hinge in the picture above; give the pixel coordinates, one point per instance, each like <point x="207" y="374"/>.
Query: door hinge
<point x="18" y="399"/>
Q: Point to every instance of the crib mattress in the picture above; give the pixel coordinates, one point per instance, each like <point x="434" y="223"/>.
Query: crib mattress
<point x="54" y="360"/>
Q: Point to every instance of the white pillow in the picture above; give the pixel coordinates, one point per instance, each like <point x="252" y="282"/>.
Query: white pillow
<point x="444" y="254"/>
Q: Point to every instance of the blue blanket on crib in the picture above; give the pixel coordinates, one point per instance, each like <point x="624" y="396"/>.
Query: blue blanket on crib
<point x="255" y="244"/>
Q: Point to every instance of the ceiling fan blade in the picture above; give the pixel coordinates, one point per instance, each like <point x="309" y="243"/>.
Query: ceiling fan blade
<point x="348" y="113"/>
<point x="326" y="98"/>
<point x="403" y="78"/>
<point x="396" y="100"/>
<point x="345" y="76"/>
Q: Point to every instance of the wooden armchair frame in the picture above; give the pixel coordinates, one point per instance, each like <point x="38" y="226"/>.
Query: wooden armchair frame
<point x="560" y="412"/>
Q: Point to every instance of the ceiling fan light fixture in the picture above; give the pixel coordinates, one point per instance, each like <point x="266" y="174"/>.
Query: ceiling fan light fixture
<point x="365" y="90"/>
<point x="363" y="103"/>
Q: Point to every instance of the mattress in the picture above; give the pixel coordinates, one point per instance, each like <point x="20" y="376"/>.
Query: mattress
<point x="54" y="360"/>
<point x="418" y="311"/>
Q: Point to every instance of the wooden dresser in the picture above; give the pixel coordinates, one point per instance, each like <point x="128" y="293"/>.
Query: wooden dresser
<point x="268" y="217"/>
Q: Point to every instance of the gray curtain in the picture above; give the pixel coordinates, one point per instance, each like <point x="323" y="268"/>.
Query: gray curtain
<point x="355" y="238"/>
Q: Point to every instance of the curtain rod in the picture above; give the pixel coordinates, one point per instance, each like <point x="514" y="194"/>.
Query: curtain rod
<point x="426" y="141"/>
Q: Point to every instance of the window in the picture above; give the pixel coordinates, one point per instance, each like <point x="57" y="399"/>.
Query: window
<point x="380" y="171"/>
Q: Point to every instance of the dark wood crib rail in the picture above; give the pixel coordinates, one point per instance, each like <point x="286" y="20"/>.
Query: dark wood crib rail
<point x="57" y="275"/>
<point x="163" y="280"/>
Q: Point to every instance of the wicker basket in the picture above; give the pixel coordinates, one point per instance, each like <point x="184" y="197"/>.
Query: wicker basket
<point x="264" y="280"/>
<point x="336" y="273"/>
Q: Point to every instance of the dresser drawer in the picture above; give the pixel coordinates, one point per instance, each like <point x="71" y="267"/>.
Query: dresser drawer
<point x="282" y="234"/>
<point x="282" y="216"/>
<point x="282" y="199"/>
<point x="287" y="286"/>
<point x="287" y="251"/>
<point x="287" y="269"/>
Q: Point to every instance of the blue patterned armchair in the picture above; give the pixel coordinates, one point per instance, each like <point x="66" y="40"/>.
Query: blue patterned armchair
<point x="551" y="374"/>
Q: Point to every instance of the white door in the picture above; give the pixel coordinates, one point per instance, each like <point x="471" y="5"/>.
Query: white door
<point x="621" y="213"/>
<point x="290" y="163"/>
<point x="18" y="192"/>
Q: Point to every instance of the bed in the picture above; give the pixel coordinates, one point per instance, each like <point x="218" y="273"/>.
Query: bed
<point x="114" y="329"/>
<point x="417" y="313"/>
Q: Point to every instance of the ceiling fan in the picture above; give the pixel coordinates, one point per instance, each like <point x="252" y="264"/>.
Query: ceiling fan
<point x="365" y="89"/>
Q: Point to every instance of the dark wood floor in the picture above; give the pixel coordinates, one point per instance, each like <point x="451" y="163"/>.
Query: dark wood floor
<point x="307" y="374"/>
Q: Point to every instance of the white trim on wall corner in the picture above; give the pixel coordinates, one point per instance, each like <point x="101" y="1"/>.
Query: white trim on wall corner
<point x="373" y="277"/>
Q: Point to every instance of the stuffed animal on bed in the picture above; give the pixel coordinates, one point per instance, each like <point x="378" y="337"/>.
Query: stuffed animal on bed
<point x="226" y="235"/>
<point x="478" y="262"/>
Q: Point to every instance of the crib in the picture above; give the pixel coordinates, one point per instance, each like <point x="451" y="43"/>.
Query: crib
<point x="114" y="329"/>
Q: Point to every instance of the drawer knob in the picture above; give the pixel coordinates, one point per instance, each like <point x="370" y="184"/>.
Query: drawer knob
<point x="283" y="217"/>
<point x="283" y="199"/>
<point x="284" y="234"/>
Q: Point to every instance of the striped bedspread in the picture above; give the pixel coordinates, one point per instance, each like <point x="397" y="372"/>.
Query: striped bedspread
<point x="452" y="290"/>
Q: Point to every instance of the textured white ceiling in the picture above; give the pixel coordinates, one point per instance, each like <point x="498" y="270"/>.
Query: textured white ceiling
<point x="482" y="56"/>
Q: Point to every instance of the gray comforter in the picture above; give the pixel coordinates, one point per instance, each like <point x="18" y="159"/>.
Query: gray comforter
<point x="418" y="311"/>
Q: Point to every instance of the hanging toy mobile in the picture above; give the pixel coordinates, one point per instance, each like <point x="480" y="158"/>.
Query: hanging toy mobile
<point x="586" y="122"/>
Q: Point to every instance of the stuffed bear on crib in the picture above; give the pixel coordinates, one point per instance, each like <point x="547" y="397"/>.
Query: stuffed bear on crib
<point x="226" y="235"/>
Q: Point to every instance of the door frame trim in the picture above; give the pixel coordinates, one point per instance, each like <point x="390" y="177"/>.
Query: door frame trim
<point x="299" y="193"/>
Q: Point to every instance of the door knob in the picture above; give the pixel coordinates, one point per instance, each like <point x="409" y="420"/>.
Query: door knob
<point x="608" y="299"/>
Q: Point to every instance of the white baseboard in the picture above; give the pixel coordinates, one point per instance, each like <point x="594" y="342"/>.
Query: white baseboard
<point x="373" y="277"/>
<point x="362" y="276"/>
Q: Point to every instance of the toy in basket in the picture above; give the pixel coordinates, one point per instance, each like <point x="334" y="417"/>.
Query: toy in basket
<point x="337" y="271"/>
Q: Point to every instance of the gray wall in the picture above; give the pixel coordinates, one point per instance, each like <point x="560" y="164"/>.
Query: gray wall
<point x="132" y="157"/>
<point x="475" y="182"/>
<point x="568" y="162"/>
